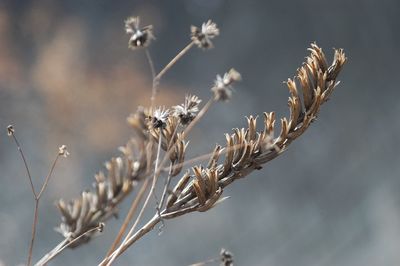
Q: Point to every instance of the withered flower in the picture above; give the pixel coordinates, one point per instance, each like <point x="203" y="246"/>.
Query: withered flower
<point x="159" y="118"/>
<point x="186" y="112"/>
<point x="202" y="36"/>
<point x="222" y="88"/>
<point x="62" y="151"/>
<point x="100" y="227"/>
<point x="10" y="130"/>
<point x="140" y="37"/>
<point x="226" y="257"/>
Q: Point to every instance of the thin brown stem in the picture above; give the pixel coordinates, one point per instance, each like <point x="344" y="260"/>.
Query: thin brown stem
<point x="198" y="117"/>
<point x="52" y="253"/>
<point x="153" y="78"/>
<point x="34" y="224"/>
<point x="202" y="263"/>
<point x="63" y="245"/>
<point x="166" y="185"/>
<point x="173" y="61"/>
<point x="141" y="232"/>
<point x="35" y="195"/>
<point x="149" y="195"/>
<point x="129" y="216"/>
<point x="25" y="164"/>
<point x="48" y="177"/>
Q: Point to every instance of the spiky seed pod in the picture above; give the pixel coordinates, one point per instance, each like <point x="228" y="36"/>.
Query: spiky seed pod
<point x="247" y="149"/>
<point x="214" y="157"/>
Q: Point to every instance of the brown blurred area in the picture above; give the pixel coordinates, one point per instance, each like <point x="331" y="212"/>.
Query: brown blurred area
<point x="82" y="90"/>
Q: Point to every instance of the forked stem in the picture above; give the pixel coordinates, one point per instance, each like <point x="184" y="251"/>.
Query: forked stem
<point x="131" y="237"/>
<point x="35" y="195"/>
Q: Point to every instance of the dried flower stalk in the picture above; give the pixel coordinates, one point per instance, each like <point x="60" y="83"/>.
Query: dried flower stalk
<point x="201" y="188"/>
<point x="247" y="149"/>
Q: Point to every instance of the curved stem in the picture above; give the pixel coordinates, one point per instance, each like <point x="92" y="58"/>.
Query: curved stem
<point x="25" y="164"/>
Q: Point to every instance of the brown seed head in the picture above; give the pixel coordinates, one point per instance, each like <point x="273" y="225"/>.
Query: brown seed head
<point x="202" y="36"/>
<point x="140" y="37"/>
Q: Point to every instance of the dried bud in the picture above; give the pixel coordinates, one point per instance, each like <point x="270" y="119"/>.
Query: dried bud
<point x="159" y="118"/>
<point x="10" y="130"/>
<point x="186" y="112"/>
<point x="202" y="37"/>
<point x="62" y="151"/>
<point x="140" y="37"/>
<point x="226" y="257"/>
<point x="100" y="227"/>
<point x="222" y="88"/>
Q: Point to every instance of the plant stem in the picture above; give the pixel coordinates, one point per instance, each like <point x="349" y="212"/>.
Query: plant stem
<point x="129" y="216"/>
<point x="153" y="78"/>
<point x="152" y="188"/>
<point x="34" y="224"/>
<point x="173" y="61"/>
<point x="166" y="185"/>
<point x="48" y="177"/>
<point x="25" y="164"/>
<point x="63" y="245"/>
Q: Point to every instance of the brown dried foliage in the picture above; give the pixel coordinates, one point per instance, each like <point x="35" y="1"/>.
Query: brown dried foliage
<point x="246" y="150"/>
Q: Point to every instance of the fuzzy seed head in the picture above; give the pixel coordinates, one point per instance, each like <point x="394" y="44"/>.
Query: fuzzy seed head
<point x="186" y="112"/>
<point x="159" y="118"/>
<point x="222" y="88"/>
<point x="202" y="36"/>
<point x="140" y="37"/>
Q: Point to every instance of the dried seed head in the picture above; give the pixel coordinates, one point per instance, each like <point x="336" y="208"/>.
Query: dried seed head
<point x="222" y="88"/>
<point x="186" y="112"/>
<point x="226" y="257"/>
<point x="100" y="227"/>
<point x="159" y="118"/>
<point x="202" y="37"/>
<point x="10" y="130"/>
<point x="62" y="151"/>
<point x="140" y="37"/>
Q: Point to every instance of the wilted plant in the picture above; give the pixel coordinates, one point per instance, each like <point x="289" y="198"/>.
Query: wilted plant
<point x="159" y="142"/>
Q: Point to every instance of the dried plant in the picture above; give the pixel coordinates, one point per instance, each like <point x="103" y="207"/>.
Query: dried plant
<point x="159" y="142"/>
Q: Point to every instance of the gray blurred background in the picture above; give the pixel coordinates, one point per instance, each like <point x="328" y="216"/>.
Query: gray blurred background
<point x="67" y="77"/>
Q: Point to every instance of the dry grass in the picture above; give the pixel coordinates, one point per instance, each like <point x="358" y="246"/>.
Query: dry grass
<point x="158" y="147"/>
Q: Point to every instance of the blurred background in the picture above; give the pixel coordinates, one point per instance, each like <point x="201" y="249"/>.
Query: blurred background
<point x="67" y="77"/>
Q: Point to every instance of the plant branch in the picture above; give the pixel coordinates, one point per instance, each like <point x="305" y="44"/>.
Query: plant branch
<point x="129" y="216"/>
<point x="149" y="195"/>
<point x="64" y="244"/>
<point x="173" y="61"/>
<point x="25" y="163"/>
<point x="153" y="78"/>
